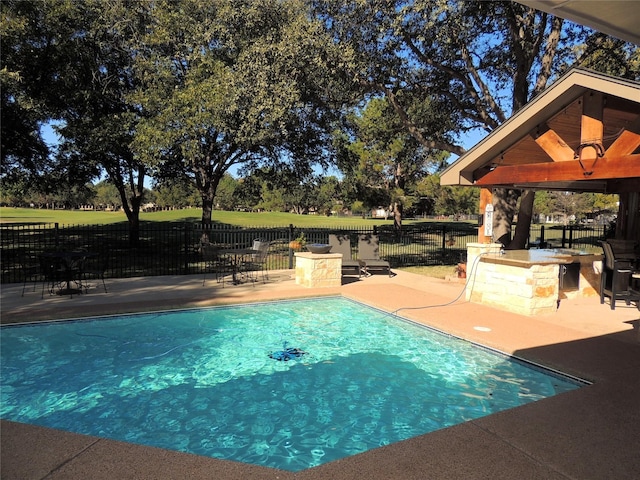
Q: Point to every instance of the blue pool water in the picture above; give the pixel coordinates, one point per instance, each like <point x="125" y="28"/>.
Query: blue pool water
<point x="215" y="381"/>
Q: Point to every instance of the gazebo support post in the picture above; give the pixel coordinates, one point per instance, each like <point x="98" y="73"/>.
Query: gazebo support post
<point x="486" y="198"/>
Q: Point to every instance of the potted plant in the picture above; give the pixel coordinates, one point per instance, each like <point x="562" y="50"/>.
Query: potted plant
<point x="298" y="243"/>
<point x="461" y="270"/>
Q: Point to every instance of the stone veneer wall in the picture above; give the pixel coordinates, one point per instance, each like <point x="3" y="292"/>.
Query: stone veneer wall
<point x="589" y="282"/>
<point x="527" y="291"/>
<point x="318" y="270"/>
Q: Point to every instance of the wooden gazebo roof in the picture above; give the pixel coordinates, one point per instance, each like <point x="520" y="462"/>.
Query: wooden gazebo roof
<point x="581" y="134"/>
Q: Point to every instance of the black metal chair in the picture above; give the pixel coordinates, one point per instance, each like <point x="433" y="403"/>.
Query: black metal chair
<point x="95" y="268"/>
<point x="215" y="263"/>
<point x="615" y="278"/>
<point x="32" y="272"/>
<point x="257" y="262"/>
<point x="52" y="272"/>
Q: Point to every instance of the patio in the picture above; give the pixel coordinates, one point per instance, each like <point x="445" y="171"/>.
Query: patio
<point x="587" y="433"/>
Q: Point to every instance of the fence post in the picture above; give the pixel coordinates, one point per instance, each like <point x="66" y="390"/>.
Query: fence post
<point x="564" y="235"/>
<point x="541" y="235"/>
<point x="444" y="234"/>
<point x="291" y="230"/>
<point x="57" y="235"/>
<point x="570" y="236"/>
<point x="187" y="226"/>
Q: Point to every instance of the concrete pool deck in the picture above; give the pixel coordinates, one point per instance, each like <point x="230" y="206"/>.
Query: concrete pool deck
<point x="589" y="433"/>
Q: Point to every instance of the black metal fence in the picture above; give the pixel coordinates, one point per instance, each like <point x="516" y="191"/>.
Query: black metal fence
<point x="172" y="248"/>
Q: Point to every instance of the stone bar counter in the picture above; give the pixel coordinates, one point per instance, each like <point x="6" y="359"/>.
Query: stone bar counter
<point x="529" y="282"/>
<point x="315" y="270"/>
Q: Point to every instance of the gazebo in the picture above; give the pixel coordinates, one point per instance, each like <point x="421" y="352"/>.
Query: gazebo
<point x="581" y="134"/>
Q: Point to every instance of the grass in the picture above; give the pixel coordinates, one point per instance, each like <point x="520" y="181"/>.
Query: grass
<point x="241" y="219"/>
<point x="265" y="219"/>
<point x="435" y="271"/>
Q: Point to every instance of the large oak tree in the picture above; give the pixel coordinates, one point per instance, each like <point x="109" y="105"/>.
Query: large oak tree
<point x="481" y="60"/>
<point x="72" y="66"/>
<point x="228" y="83"/>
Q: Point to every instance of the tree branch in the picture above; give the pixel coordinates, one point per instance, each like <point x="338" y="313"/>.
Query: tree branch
<point x="465" y="80"/>
<point x="486" y="98"/>
<point x="549" y="53"/>
<point x="414" y="130"/>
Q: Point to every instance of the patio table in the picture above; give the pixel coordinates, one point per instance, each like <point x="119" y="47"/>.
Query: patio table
<point x="69" y="266"/>
<point x="236" y="256"/>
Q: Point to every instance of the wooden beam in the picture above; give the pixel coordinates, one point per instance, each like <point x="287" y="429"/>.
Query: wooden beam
<point x="553" y="145"/>
<point x="627" y="142"/>
<point x="627" y="166"/>
<point x="620" y="185"/>
<point x="592" y="128"/>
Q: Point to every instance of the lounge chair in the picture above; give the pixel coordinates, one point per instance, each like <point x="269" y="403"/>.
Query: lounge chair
<point x="369" y="252"/>
<point x="342" y="244"/>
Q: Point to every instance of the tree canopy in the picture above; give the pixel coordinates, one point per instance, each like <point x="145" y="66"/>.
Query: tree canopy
<point x="234" y="84"/>
<point x="188" y="90"/>
<point x="480" y="61"/>
<point x="382" y="158"/>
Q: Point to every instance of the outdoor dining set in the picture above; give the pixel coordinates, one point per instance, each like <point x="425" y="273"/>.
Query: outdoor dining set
<point x="243" y="264"/>
<point x="65" y="272"/>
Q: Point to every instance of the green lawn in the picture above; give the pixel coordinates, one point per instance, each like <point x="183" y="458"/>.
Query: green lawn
<point x="265" y="219"/>
<point x="241" y="219"/>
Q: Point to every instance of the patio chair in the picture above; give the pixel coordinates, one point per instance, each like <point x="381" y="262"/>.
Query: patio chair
<point x="95" y="267"/>
<point x="32" y="272"/>
<point x="52" y="272"/>
<point x="215" y="263"/>
<point x="257" y="262"/>
<point x="615" y="279"/>
<point x="369" y="252"/>
<point x="342" y="244"/>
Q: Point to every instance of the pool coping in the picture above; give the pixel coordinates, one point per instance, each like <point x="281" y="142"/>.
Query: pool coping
<point x="586" y="433"/>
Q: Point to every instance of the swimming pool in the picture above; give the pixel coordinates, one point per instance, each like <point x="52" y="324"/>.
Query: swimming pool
<point x="219" y="381"/>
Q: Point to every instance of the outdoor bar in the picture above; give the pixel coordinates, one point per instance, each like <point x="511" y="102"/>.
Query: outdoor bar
<point x="582" y="134"/>
<point x="529" y="282"/>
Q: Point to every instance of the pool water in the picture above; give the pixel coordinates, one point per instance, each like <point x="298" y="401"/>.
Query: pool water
<point x="218" y="382"/>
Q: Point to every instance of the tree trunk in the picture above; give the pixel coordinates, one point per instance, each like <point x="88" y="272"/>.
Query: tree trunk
<point x="504" y="208"/>
<point x="525" y="214"/>
<point x="207" y="209"/>
<point x="206" y="183"/>
<point x="397" y="217"/>
<point x="131" y="207"/>
<point x="134" y="230"/>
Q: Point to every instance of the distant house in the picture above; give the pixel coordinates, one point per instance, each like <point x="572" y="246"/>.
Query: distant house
<point x="149" y="207"/>
<point x="379" y="213"/>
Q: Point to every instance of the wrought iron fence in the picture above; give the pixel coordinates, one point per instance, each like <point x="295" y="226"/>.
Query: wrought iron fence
<point x="172" y="249"/>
